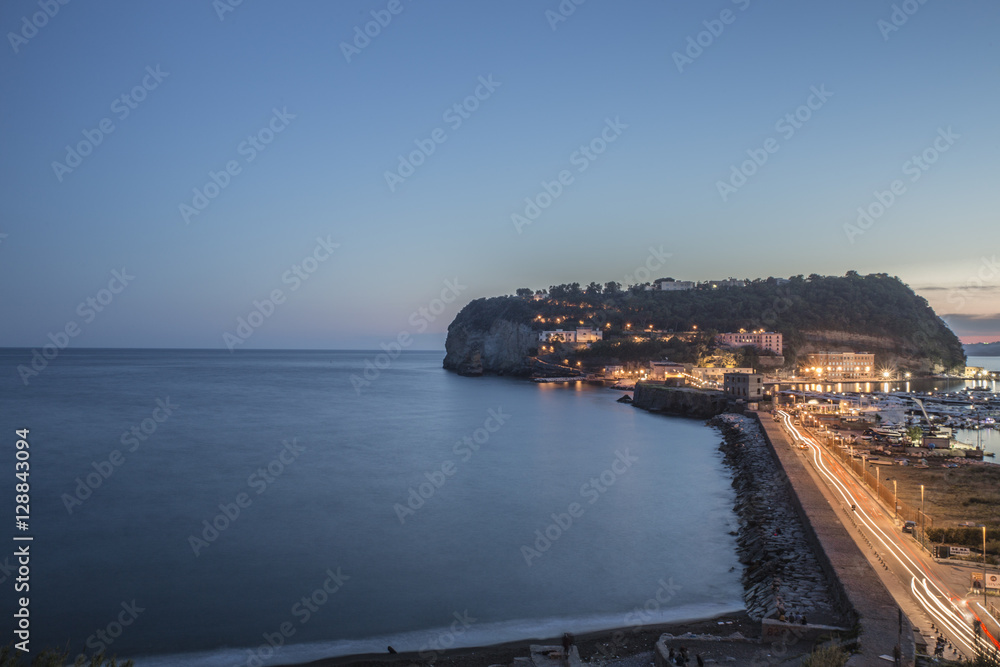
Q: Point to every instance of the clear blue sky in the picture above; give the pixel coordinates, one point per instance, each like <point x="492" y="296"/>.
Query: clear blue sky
<point x="323" y="175"/>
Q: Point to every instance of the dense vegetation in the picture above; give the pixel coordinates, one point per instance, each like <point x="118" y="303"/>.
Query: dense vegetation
<point x="875" y="305"/>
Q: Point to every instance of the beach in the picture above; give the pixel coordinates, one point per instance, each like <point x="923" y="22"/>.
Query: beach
<point x="602" y="647"/>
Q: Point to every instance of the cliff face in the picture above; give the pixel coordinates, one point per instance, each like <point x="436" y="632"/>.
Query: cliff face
<point x="503" y="348"/>
<point x="682" y="402"/>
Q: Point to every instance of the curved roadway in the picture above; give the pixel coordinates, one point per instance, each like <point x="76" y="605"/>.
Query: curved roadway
<point x="951" y="614"/>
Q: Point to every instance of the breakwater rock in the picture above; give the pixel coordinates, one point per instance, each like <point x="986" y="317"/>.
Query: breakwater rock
<point x="679" y="400"/>
<point x="782" y="576"/>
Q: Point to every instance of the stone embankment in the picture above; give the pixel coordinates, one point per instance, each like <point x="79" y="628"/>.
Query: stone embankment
<point x="782" y="575"/>
<point x="684" y="402"/>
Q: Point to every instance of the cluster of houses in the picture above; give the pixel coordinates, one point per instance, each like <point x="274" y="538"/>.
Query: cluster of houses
<point x="740" y="383"/>
<point x="823" y="366"/>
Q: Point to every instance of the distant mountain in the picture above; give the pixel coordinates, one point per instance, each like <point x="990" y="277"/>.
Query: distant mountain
<point x="874" y="313"/>
<point x="983" y="349"/>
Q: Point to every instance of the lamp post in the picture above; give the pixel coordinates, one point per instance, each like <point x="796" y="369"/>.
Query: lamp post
<point x="878" y="481"/>
<point x="984" y="564"/>
<point x="921" y="515"/>
<point x="895" y="510"/>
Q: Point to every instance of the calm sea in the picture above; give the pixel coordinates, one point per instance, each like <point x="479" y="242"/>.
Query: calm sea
<point x="188" y="507"/>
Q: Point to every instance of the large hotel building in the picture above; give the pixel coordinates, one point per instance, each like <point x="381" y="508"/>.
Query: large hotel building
<point x="841" y="365"/>
<point x="764" y="340"/>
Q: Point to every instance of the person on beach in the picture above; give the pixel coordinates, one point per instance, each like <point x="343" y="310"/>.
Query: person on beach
<point x="567" y="642"/>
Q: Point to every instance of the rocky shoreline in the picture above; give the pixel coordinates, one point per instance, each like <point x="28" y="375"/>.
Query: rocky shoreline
<point x="782" y="576"/>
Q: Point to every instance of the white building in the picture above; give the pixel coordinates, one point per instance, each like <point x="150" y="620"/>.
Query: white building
<point x="764" y="340"/>
<point x="614" y="371"/>
<point x="716" y="374"/>
<point x="578" y="335"/>
<point x="661" y="370"/>
<point x="557" y="336"/>
<point x="675" y="285"/>
<point x="728" y="282"/>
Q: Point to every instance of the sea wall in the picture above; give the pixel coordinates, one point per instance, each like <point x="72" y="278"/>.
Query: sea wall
<point x="679" y="401"/>
<point x="783" y="579"/>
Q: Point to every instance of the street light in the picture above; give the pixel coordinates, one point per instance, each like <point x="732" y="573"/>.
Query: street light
<point x="921" y="515"/>
<point x="984" y="563"/>
<point x="895" y="505"/>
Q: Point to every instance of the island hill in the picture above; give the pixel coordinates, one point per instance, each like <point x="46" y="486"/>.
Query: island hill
<point x="627" y="328"/>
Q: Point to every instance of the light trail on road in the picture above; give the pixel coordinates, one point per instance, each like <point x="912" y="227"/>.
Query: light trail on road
<point x="952" y="617"/>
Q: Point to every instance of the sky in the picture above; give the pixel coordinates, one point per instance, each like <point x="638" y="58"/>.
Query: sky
<point x="323" y="175"/>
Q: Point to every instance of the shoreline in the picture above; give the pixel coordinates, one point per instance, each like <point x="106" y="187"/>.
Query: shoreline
<point x="609" y="644"/>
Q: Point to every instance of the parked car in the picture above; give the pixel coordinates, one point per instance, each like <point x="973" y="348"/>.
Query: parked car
<point x="909" y="526"/>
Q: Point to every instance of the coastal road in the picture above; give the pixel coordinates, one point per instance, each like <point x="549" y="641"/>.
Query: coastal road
<point x="929" y="586"/>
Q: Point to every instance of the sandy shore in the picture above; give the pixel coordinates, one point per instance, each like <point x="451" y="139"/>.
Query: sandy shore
<point x="607" y="644"/>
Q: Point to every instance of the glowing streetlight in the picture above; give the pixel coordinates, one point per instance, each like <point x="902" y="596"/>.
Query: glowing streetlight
<point x="984" y="562"/>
